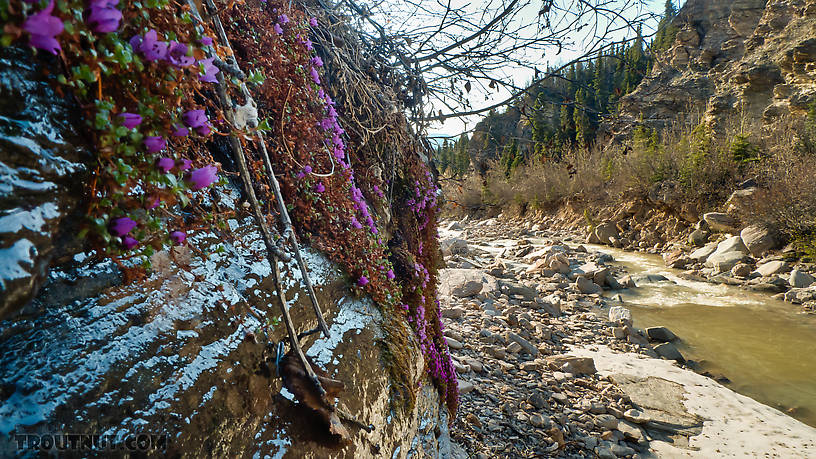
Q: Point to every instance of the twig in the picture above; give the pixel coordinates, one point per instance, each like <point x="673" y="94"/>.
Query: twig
<point x="275" y="253"/>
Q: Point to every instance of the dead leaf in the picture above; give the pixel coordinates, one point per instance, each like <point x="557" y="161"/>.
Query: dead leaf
<point x="298" y="383"/>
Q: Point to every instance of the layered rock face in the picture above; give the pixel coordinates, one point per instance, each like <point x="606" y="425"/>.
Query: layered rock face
<point x="732" y="61"/>
<point x="186" y="352"/>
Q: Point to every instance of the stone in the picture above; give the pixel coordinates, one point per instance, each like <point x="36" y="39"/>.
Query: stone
<point x="453" y="313"/>
<point x="454" y="246"/>
<point x="539" y="421"/>
<point x="514" y="348"/>
<point x="454" y="226"/>
<point x="630" y="430"/>
<point x="662" y="334"/>
<point x="726" y="261"/>
<point x="636" y="416"/>
<point x="465" y="386"/>
<point x="587" y="286"/>
<point x="515" y="288"/>
<point x="618" y="333"/>
<point x="799" y="279"/>
<point x="700" y="255"/>
<point x="454" y="344"/>
<point x="469" y="288"/>
<point x="669" y="352"/>
<point x="606" y="421"/>
<point x="526" y="345"/>
<point x="613" y="283"/>
<point x="605" y="231"/>
<point x="758" y="239"/>
<point x="676" y="259"/>
<point x="559" y="397"/>
<point x="473" y="420"/>
<point x="772" y="267"/>
<point x="698" y="237"/>
<point x="474" y="364"/>
<point x="620" y="315"/>
<point x="605" y="453"/>
<point x="622" y="451"/>
<point x="572" y="364"/>
<point x="741" y="270"/>
<point x="537" y="400"/>
<point x="721" y="222"/>
<point x="729" y="253"/>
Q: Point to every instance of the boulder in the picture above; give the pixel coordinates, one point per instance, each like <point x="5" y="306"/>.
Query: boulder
<point x="662" y="334"/>
<point x="729" y="253"/>
<point x="586" y="286"/>
<point x="525" y="345"/>
<point x="698" y="237"/>
<point x="466" y="289"/>
<point x="700" y="255"/>
<point x="772" y="267"/>
<point x="572" y="364"/>
<point x="741" y="199"/>
<point x="758" y="239"/>
<point x="515" y="288"/>
<point x="605" y="232"/>
<point x="721" y="222"/>
<point x="454" y="246"/>
<point x="669" y="351"/>
<point x="620" y="315"/>
<point x="676" y="259"/>
<point x="726" y="261"/>
<point x="799" y="279"/>
<point x="454" y="226"/>
<point x="741" y="270"/>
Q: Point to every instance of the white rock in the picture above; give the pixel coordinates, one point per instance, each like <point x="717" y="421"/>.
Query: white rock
<point x="799" y="279"/>
<point x="620" y="315"/>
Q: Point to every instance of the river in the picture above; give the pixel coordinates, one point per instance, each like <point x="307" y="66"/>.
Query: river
<point x="765" y="347"/>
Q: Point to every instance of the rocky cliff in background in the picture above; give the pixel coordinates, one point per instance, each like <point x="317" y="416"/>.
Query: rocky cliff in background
<point x="747" y="61"/>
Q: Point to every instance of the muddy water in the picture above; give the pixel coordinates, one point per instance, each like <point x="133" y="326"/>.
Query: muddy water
<point x="765" y="347"/>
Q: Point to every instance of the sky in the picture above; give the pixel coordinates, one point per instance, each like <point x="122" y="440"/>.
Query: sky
<point x="520" y="76"/>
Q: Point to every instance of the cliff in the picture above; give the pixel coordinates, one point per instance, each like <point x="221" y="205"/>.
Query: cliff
<point x="121" y="332"/>
<point x="749" y="61"/>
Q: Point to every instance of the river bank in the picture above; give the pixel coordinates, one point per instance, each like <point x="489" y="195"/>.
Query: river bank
<point x="551" y="365"/>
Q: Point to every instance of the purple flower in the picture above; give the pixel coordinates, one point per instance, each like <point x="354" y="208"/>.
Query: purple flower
<point x="206" y="41"/>
<point x="122" y="226"/>
<point x="155" y="144"/>
<point x="319" y="188"/>
<point x="356" y="223"/>
<point x="306" y="170"/>
<point x="362" y="281"/>
<point x="129" y="242"/>
<point x="283" y="19"/>
<point x="195" y="118"/>
<point x="313" y="22"/>
<point x="202" y="178"/>
<point x="204" y="130"/>
<point x="390" y="274"/>
<point x="185" y="164"/>
<point x="178" y="237"/>
<point x="315" y="75"/>
<point x="208" y="70"/>
<point x="151" y="48"/>
<point x="180" y="131"/>
<point x="177" y="55"/>
<point x="309" y="45"/>
<point x="165" y="164"/>
<point x="130" y="120"/>
<point x="278" y="29"/>
<point x="317" y="61"/>
<point x="103" y="16"/>
<point x="153" y="203"/>
<point x="43" y="29"/>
